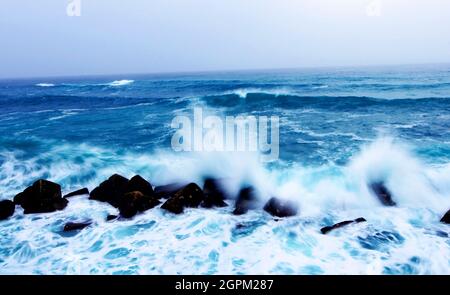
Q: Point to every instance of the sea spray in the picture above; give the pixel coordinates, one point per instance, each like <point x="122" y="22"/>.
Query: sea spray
<point x="330" y="148"/>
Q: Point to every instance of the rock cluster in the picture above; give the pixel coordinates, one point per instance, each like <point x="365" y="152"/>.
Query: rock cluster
<point x="137" y="195"/>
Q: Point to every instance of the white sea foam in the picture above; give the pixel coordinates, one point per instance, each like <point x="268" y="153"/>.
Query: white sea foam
<point x="243" y="92"/>
<point x="121" y="83"/>
<point x="65" y="114"/>
<point x="321" y="87"/>
<point x="207" y="241"/>
<point x="45" y="84"/>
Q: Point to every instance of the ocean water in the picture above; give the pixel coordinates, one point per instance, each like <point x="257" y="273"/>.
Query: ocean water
<point x="339" y="129"/>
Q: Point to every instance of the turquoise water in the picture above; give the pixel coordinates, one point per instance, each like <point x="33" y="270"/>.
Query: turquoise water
<point x="339" y="129"/>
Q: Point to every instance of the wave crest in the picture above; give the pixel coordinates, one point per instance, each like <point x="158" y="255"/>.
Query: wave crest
<point x="45" y="85"/>
<point x="120" y="83"/>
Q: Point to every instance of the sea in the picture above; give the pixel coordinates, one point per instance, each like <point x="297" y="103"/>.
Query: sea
<point x="339" y="130"/>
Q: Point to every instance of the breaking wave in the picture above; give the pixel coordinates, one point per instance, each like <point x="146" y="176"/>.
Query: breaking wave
<point x="120" y="83"/>
<point x="325" y="194"/>
<point x="45" y="84"/>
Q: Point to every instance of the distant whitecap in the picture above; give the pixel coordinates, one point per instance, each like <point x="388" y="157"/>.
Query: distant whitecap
<point x="120" y="82"/>
<point x="45" y="85"/>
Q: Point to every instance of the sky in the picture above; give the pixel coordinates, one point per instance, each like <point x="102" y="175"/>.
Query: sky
<point x="48" y="37"/>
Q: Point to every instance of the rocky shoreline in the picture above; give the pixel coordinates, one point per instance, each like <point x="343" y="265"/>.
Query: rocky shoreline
<point x="137" y="195"/>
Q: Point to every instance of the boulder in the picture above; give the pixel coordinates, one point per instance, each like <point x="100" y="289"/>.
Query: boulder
<point x="71" y="226"/>
<point x="133" y="202"/>
<point x="446" y="218"/>
<point x="42" y="197"/>
<point x="139" y="184"/>
<point x="130" y="196"/>
<point x="383" y="194"/>
<point x="80" y="192"/>
<point x="166" y="191"/>
<point x="214" y="194"/>
<point x="245" y="201"/>
<point x="110" y="190"/>
<point x="7" y="208"/>
<point x="327" y="229"/>
<point x="190" y="196"/>
<point x="281" y="208"/>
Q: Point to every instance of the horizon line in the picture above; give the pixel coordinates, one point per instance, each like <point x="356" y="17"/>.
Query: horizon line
<point x="218" y="71"/>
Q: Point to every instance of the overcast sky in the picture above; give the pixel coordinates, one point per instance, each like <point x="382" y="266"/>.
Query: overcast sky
<point x="38" y="38"/>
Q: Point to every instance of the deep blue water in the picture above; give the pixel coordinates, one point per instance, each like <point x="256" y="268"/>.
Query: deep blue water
<point x="339" y="129"/>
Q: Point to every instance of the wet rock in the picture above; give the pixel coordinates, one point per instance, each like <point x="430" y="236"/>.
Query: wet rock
<point x="166" y="191"/>
<point x="18" y="199"/>
<point x="446" y="218"/>
<point x="110" y="190"/>
<point x="245" y="201"/>
<point x="111" y="217"/>
<point x="214" y="194"/>
<point x="6" y="209"/>
<point x="134" y="202"/>
<point x="71" y="226"/>
<point x="80" y="192"/>
<point x="137" y="183"/>
<point x="281" y="208"/>
<point x="130" y="196"/>
<point x="42" y="197"/>
<point x="60" y="204"/>
<point x="327" y="229"/>
<point x="190" y="196"/>
<point x="382" y="193"/>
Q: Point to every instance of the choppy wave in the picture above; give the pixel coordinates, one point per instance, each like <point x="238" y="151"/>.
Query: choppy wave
<point x="243" y="92"/>
<point x="403" y="240"/>
<point x="120" y="82"/>
<point x="391" y="126"/>
<point x="65" y="114"/>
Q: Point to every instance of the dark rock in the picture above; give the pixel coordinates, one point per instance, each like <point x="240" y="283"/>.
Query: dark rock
<point x="137" y="183"/>
<point x="111" y="217"/>
<point x="42" y="197"/>
<point x="80" y="192"/>
<point x="189" y="196"/>
<point x="245" y="201"/>
<point x="281" y="208"/>
<point x="71" y="226"/>
<point x="130" y="196"/>
<point x="446" y="218"/>
<point x="6" y="209"/>
<point x="166" y="191"/>
<point x="60" y="204"/>
<point x="18" y="199"/>
<point x="110" y="190"/>
<point x="214" y="194"/>
<point x="327" y="229"/>
<point x="383" y="194"/>
<point x="133" y="202"/>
